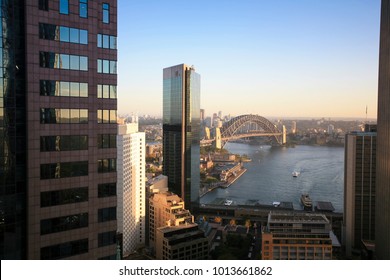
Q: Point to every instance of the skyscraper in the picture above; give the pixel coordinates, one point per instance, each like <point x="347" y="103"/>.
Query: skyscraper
<point x="57" y="129"/>
<point x="359" y="190"/>
<point x="382" y="218"/>
<point x="181" y="128"/>
<point x="131" y="186"/>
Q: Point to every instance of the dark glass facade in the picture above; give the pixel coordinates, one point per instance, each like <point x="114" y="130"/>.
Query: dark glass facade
<point x="382" y="222"/>
<point x="359" y="189"/>
<point x="13" y="158"/>
<point x="49" y="155"/>
<point x="181" y="128"/>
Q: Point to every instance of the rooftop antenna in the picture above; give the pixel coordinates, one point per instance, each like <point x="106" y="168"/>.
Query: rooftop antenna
<point x="366" y="113"/>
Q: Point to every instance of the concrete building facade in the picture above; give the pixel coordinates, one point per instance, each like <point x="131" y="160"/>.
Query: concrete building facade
<point x="296" y="236"/>
<point x="131" y="186"/>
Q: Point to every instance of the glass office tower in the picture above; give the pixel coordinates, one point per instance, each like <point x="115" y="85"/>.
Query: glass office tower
<point x="181" y="128"/>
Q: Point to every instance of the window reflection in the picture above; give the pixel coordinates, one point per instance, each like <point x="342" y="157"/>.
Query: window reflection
<point x="64" y="7"/>
<point x="106" y="13"/>
<point x="74" y="35"/>
<point x="58" y="116"/>
<point x="63" y="61"/>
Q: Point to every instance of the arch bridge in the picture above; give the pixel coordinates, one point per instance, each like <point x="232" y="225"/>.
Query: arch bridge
<point x="231" y="130"/>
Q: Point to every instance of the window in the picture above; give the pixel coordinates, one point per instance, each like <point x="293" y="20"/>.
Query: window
<point x="106" y="238"/>
<point x="65" y="250"/>
<point x="62" y="88"/>
<point x="106" y="41"/>
<point x="43" y="5"/>
<point x="107" y="165"/>
<point x="64" y="143"/>
<point x="106" y="91"/>
<point x="83" y="6"/>
<point x="64" y="223"/>
<point x="66" y="196"/>
<point x="63" y="61"/>
<point x="106" y="214"/>
<point x="64" y="7"/>
<point x="60" y="116"/>
<point x="106" y="116"/>
<point x="107" y="66"/>
<point x="64" y="170"/>
<point x="105" y="190"/>
<point x="106" y="13"/>
<point x="106" y="141"/>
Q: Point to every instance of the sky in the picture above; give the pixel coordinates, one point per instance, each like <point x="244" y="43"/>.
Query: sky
<point x="279" y="58"/>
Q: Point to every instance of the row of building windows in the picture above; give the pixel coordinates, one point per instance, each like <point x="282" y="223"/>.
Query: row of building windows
<point x="107" y="165"/>
<point x="62" y="88"/>
<point x="106" y="214"/>
<point x="106" y="41"/>
<point x="75" y="142"/>
<point x="74" y="169"/>
<point x="64" y="170"/>
<point x="63" y="33"/>
<point x="64" y="116"/>
<point x="106" y="141"/>
<point x="106" y="190"/>
<point x="63" y="8"/>
<point x="106" y="238"/>
<point x="64" y="223"/>
<point x="106" y="91"/>
<point x="63" y="61"/>
<point x="66" y="196"/>
<point x="75" y="195"/>
<point x="64" y="143"/>
<point x="106" y="116"/>
<point x="64" y="250"/>
<point x="74" y="62"/>
<point x="75" y="89"/>
<point x="106" y="66"/>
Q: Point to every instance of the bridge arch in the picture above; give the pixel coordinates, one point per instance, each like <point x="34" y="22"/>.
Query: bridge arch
<point x="229" y="129"/>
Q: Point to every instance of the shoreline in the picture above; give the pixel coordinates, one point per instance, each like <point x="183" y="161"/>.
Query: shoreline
<point x="225" y="185"/>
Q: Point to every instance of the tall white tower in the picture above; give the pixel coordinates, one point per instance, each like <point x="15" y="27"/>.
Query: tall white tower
<point x="131" y="186"/>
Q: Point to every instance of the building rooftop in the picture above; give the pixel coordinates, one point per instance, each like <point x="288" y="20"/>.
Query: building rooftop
<point x="294" y="217"/>
<point x="324" y="206"/>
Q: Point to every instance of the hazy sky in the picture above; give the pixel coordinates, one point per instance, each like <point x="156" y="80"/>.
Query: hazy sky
<point x="301" y="58"/>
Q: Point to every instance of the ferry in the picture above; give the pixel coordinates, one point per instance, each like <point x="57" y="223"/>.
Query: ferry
<point x="295" y="174"/>
<point x="228" y="202"/>
<point x="306" y="201"/>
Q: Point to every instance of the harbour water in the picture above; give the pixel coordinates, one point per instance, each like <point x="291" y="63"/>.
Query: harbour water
<point x="269" y="175"/>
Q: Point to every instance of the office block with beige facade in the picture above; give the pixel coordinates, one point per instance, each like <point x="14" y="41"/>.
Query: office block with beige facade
<point x="296" y="236"/>
<point x="166" y="209"/>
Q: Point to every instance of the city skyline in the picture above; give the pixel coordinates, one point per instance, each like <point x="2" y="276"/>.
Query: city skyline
<point x="302" y="59"/>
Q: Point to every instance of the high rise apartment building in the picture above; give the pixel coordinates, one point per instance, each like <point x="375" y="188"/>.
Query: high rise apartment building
<point x="382" y="218"/>
<point x="58" y="129"/>
<point x="297" y="236"/>
<point x="359" y="190"/>
<point x="131" y="186"/>
<point x="181" y="131"/>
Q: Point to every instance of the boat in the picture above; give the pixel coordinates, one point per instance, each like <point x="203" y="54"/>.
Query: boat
<point x="295" y="174"/>
<point x="276" y="203"/>
<point x="306" y="201"/>
<point x="228" y="202"/>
